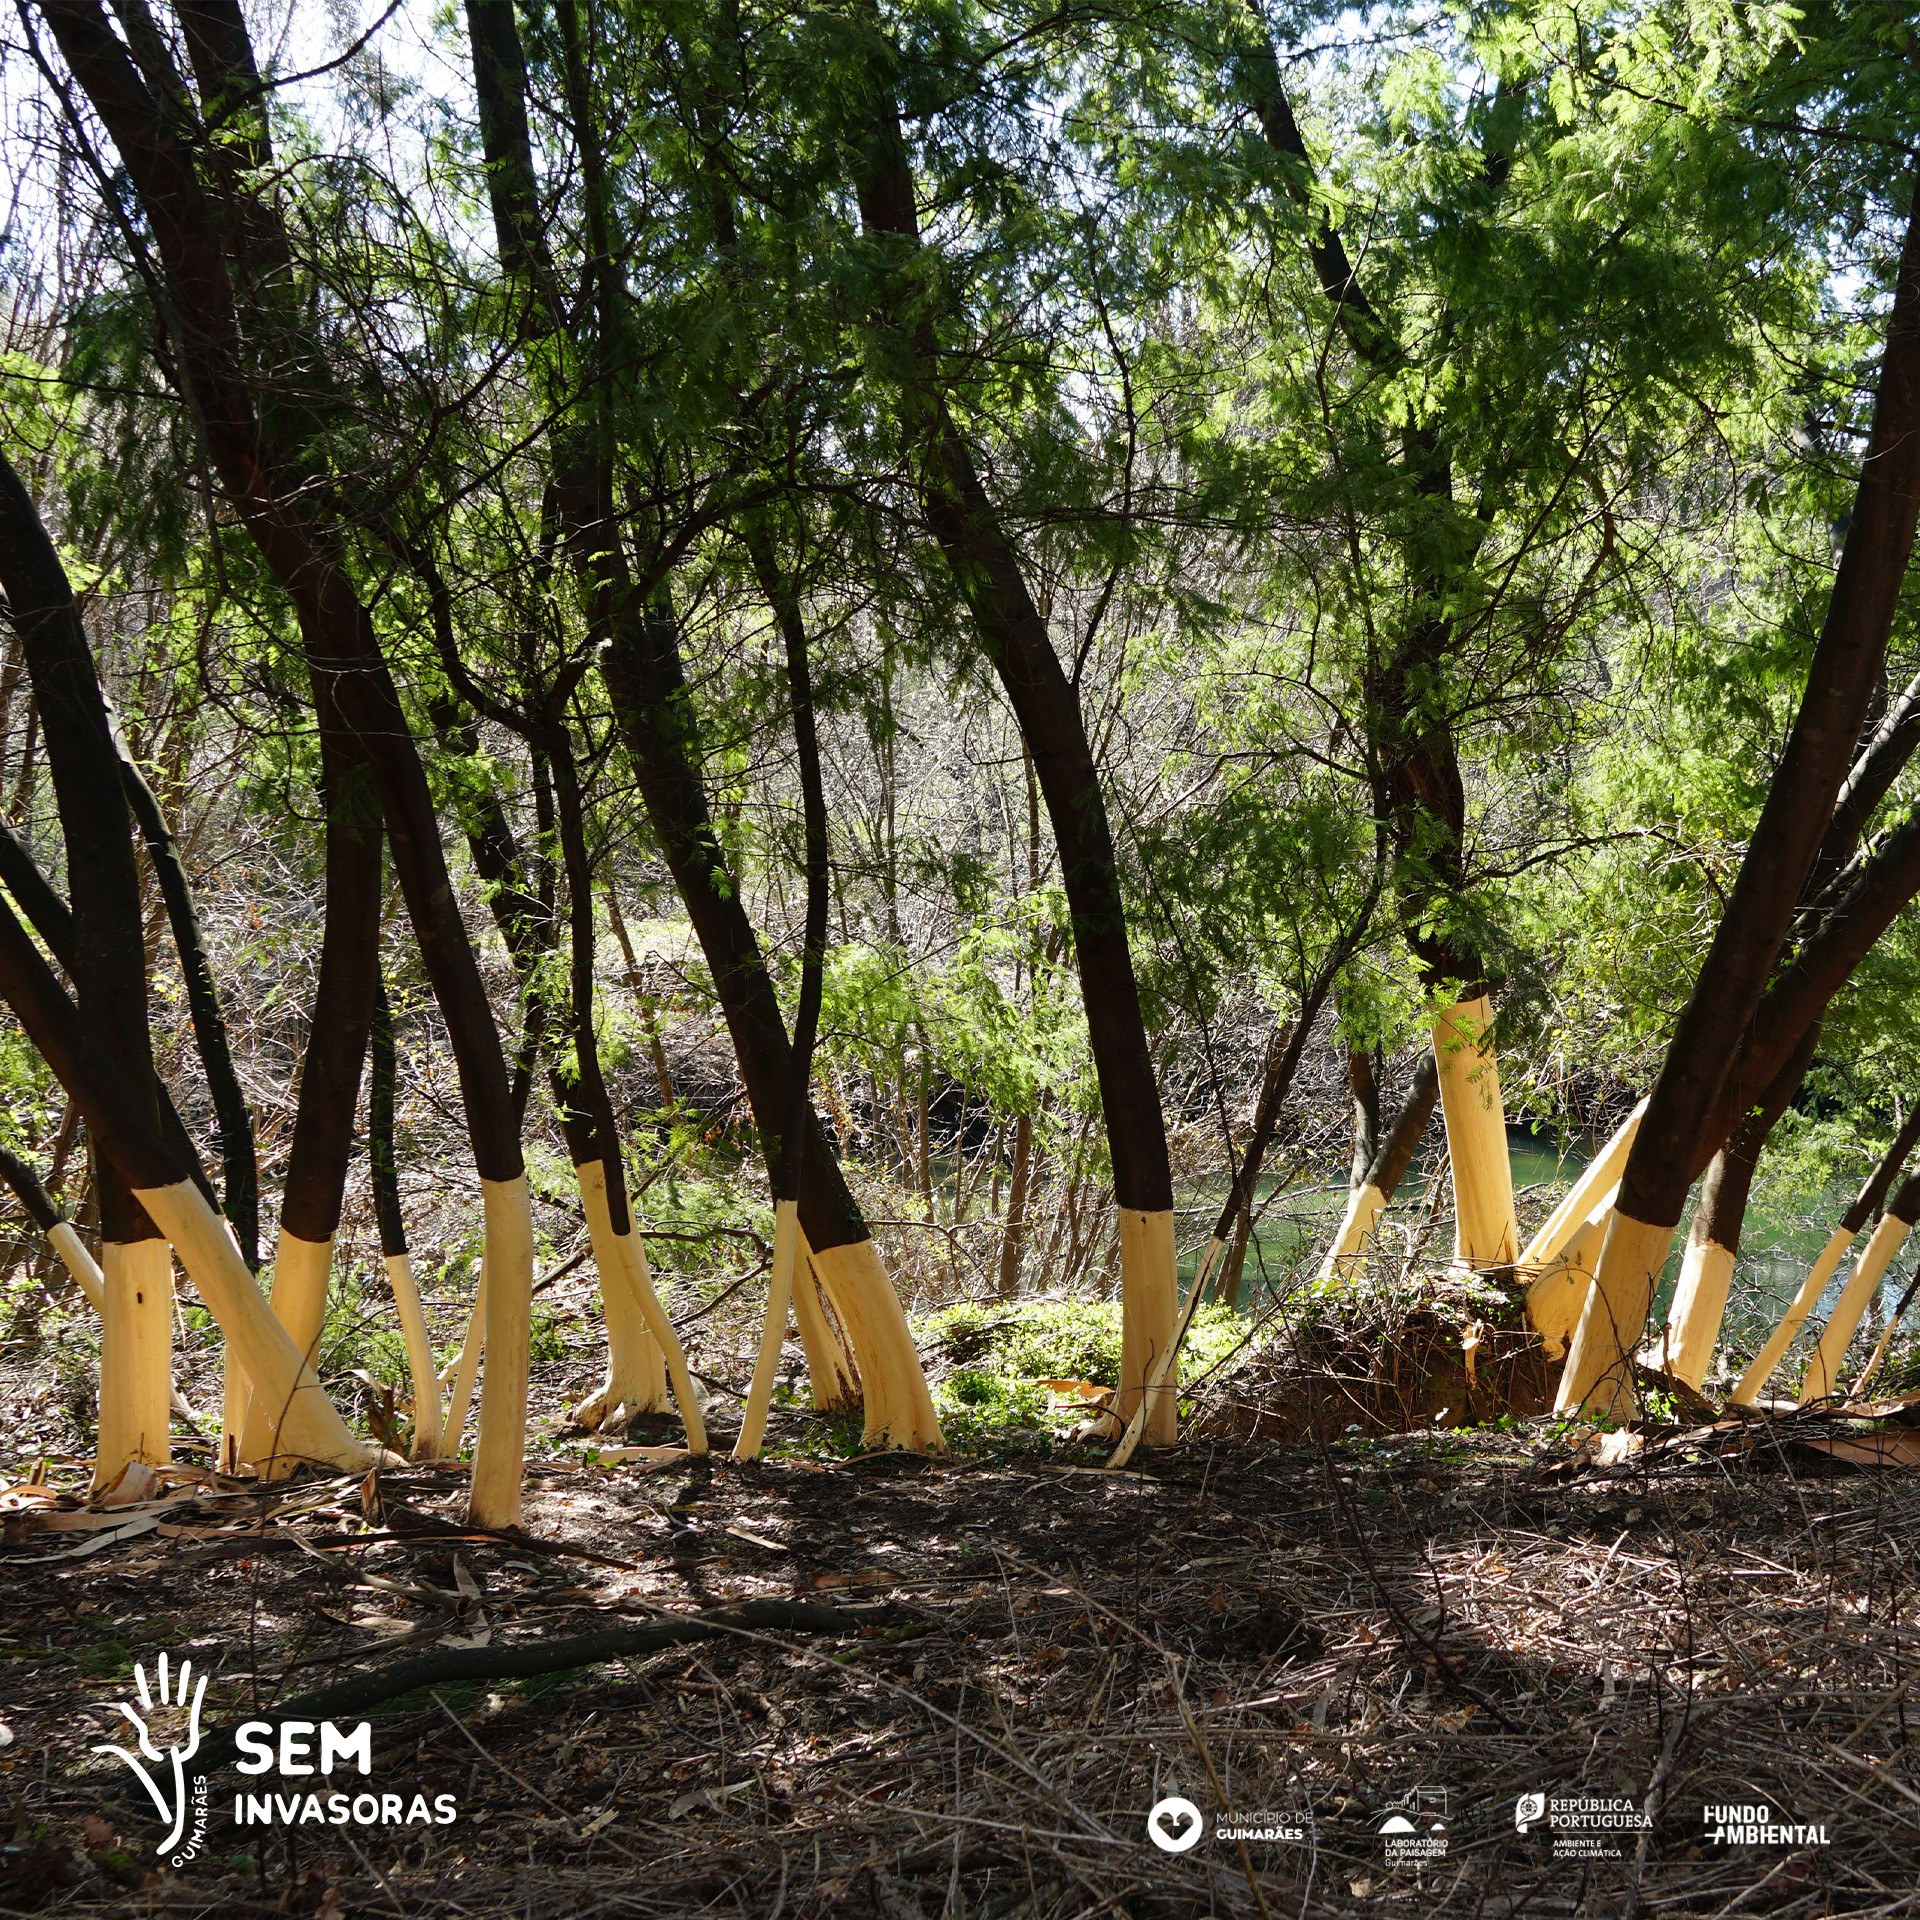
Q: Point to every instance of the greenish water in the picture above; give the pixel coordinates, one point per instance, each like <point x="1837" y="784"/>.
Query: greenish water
<point x="1776" y="1250"/>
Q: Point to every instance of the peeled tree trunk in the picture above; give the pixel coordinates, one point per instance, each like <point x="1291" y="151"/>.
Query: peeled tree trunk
<point x="125" y="1135"/>
<point x="337" y="1035"/>
<point x="136" y="1350"/>
<point x="383" y="1166"/>
<point x="240" y="1175"/>
<point x="1846" y="669"/>
<point x="273" y="486"/>
<point x="1685" y="1347"/>
<point x="989" y="573"/>
<point x="1558" y="1262"/>
<point x="104" y="951"/>
<point x="789" y="1158"/>
<point x="652" y="706"/>
<point x="1822" y="1380"/>
<point x="1486" y="1232"/>
<point x="1865" y="1203"/>
<point x="1369" y="1200"/>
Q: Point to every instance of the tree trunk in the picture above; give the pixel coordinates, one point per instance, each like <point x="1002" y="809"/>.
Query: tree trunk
<point x="1865" y="1204"/>
<point x="106" y="959"/>
<point x="988" y="571"/>
<point x="642" y="671"/>
<point x="336" y="1050"/>
<point x="122" y="1128"/>
<point x="383" y="1166"/>
<point x="1863" y="1286"/>
<point x="240" y="1173"/>
<point x="1371" y="1198"/>
<point x="1786" y="839"/>
<point x="1685" y="1349"/>
<point x="1363" y="1084"/>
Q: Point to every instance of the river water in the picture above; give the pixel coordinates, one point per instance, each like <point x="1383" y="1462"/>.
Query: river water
<point x="1776" y="1249"/>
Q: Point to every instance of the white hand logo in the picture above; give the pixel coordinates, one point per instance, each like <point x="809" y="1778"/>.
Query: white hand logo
<point x="179" y="1753"/>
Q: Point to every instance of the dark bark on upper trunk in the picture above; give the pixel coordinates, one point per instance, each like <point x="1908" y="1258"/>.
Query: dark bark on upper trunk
<point x="117" y="1116"/>
<point x="585" y="1102"/>
<point x="1396" y="1153"/>
<point x="28" y="1191"/>
<point x="774" y="583"/>
<point x="654" y="710"/>
<point x="51" y="918"/>
<point x="639" y="645"/>
<point x="1721" y="1209"/>
<point x="106" y="948"/>
<point x="1847" y="662"/>
<point x="1867" y="1201"/>
<point x="988" y="571"/>
<point x="343" y="999"/>
<point x="383" y="1160"/>
<point x="239" y="1169"/>
<point x="1363" y="1082"/>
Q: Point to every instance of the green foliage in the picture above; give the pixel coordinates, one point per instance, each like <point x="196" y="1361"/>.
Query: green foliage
<point x="1001" y="1353"/>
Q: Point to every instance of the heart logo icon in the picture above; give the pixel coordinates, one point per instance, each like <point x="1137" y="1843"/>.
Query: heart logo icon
<point x="1174" y="1825"/>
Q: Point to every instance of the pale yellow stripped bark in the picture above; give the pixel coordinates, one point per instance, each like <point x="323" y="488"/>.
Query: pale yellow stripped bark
<point x="1365" y="1205"/>
<point x="500" y="1446"/>
<point x="311" y="1427"/>
<point x="1877" y="1358"/>
<point x="898" y="1407"/>
<point x="136" y="1357"/>
<point x="1760" y="1371"/>
<point x="420" y="1369"/>
<point x="466" y="1367"/>
<point x="1486" y="1234"/>
<point x="773" y="1331"/>
<point x="1684" y="1347"/>
<point x="79" y="1263"/>
<point x="1149" y="1307"/>
<point x="635" y="1381"/>
<point x="1581" y="1200"/>
<point x="1598" y="1376"/>
<point x="1823" y="1370"/>
<point x="1164" y="1365"/>
<point x="301" y="1269"/>
<point x="640" y="1279"/>
<point x="1557" y="1295"/>
<point x="830" y="1369"/>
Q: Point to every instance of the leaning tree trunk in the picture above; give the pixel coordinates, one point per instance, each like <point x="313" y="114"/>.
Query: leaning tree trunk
<point x="274" y="490"/>
<point x="1370" y="1199"/>
<point x="383" y="1169"/>
<point x="161" y="1183"/>
<point x="1845" y="670"/>
<point x="636" y="1377"/>
<point x="106" y="959"/>
<point x="989" y="573"/>
<point x="640" y="1334"/>
<point x="1685" y="1349"/>
<point x="1865" y="1203"/>
<point x="240" y="1173"/>
<point x="653" y="708"/>
<point x="337" y="1033"/>
<point x="789" y="1151"/>
<point x="1416" y="772"/>
<point x="1822" y="1380"/>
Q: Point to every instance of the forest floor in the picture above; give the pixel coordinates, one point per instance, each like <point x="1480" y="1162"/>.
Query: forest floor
<point x="1300" y="1640"/>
